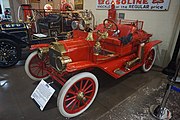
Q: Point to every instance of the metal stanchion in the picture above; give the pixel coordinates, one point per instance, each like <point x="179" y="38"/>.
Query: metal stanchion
<point x="160" y="111"/>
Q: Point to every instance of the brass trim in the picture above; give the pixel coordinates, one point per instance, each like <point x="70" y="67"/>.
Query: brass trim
<point x="131" y="63"/>
<point x="42" y="52"/>
<point x="58" y="47"/>
<point x="81" y="96"/>
<point x="90" y="36"/>
<point x="64" y="61"/>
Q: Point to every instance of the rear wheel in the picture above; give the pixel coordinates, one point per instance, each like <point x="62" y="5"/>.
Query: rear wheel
<point x="10" y="53"/>
<point x="77" y="94"/>
<point x="35" y="67"/>
<point x="149" y="60"/>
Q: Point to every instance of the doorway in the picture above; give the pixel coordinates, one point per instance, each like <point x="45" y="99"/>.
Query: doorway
<point x="5" y="11"/>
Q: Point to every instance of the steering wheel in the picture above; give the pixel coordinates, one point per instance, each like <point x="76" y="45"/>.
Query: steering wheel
<point x="110" y="25"/>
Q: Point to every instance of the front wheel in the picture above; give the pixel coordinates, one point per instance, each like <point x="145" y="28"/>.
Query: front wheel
<point x="149" y="60"/>
<point x="77" y="94"/>
<point x="10" y="53"/>
<point x="35" y="67"/>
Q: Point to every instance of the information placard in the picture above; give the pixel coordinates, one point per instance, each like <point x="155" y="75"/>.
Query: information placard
<point x="42" y="94"/>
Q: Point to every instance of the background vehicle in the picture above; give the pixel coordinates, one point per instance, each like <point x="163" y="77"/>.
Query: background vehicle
<point x="15" y="36"/>
<point x="115" y="49"/>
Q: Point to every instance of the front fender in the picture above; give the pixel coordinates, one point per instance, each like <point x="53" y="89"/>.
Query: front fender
<point x="37" y="46"/>
<point x="9" y="36"/>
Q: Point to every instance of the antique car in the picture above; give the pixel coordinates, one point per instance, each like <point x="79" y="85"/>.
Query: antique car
<point x="113" y="47"/>
<point x="16" y="36"/>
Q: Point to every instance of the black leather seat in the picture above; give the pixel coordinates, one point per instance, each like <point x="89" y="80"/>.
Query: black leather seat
<point x="49" y="23"/>
<point x="59" y="23"/>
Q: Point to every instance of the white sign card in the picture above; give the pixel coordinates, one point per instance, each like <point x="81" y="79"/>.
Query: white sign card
<point x="134" y="4"/>
<point x="42" y="94"/>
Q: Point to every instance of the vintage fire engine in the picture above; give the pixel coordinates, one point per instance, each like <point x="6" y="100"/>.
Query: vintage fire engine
<point x="16" y="36"/>
<point x="116" y="48"/>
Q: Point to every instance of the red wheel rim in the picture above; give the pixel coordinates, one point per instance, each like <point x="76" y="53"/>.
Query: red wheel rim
<point x="37" y="67"/>
<point x="150" y="59"/>
<point x="79" y="95"/>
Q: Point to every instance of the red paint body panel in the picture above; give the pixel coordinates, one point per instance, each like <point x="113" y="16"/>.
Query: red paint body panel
<point x="77" y="49"/>
<point x="36" y="46"/>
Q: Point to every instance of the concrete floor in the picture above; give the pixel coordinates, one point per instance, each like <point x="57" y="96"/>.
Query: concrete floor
<point x="127" y="98"/>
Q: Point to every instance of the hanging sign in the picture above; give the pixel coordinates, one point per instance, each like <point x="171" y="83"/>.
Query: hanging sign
<point x="42" y="94"/>
<point x="134" y="4"/>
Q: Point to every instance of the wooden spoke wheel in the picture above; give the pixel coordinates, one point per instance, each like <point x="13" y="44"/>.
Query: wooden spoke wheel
<point x="149" y="60"/>
<point x="77" y="94"/>
<point x="35" y="67"/>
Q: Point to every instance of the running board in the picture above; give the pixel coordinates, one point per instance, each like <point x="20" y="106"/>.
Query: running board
<point x="119" y="72"/>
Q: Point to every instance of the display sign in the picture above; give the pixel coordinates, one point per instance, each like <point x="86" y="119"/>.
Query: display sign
<point x="42" y="94"/>
<point x="134" y="4"/>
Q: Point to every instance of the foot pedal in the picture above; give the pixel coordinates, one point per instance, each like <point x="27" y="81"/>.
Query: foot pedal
<point x="119" y="72"/>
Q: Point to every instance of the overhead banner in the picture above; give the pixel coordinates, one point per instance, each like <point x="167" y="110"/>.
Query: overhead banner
<point x="134" y="4"/>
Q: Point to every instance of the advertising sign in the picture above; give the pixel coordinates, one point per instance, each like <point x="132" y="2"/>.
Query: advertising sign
<point x="134" y="4"/>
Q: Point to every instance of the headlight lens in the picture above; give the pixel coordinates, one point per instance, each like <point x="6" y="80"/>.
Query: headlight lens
<point x="61" y="62"/>
<point x="74" y="25"/>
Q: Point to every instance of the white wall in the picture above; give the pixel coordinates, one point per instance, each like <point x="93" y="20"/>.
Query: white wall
<point x="6" y="3"/>
<point x="160" y="23"/>
<point x="2" y="7"/>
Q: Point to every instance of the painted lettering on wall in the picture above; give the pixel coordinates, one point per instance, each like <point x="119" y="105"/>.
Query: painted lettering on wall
<point x="134" y="4"/>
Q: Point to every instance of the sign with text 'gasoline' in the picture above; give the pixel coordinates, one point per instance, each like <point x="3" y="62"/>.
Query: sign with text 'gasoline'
<point x="134" y="4"/>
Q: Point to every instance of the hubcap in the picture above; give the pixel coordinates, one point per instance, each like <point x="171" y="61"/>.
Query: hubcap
<point x="80" y="96"/>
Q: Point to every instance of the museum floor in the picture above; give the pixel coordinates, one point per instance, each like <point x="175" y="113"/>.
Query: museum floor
<point x="127" y="98"/>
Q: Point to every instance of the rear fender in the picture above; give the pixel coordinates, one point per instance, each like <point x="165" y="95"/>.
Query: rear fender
<point x="149" y="45"/>
<point x="37" y="46"/>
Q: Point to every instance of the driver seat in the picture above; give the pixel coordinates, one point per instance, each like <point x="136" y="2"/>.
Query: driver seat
<point x="126" y="33"/>
<point x="125" y="30"/>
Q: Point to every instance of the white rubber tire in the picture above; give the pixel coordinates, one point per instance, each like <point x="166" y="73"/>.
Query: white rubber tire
<point x="144" y="69"/>
<point x="66" y="87"/>
<point x="27" y="67"/>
